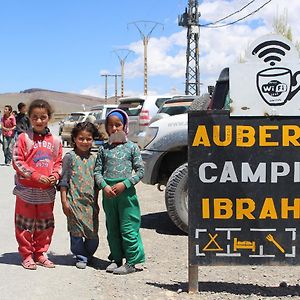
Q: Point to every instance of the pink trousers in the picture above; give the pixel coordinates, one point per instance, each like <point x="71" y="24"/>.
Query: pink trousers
<point x="34" y="226"/>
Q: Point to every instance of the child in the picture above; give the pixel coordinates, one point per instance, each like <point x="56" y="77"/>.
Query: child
<point x="37" y="160"/>
<point x="8" y="124"/>
<point x="22" y="120"/>
<point x="79" y="197"/>
<point x="113" y="174"/>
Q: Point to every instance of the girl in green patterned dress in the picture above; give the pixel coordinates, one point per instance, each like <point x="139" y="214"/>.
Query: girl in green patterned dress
<point x="79" y="197"/>
<point x="116" y="161"/>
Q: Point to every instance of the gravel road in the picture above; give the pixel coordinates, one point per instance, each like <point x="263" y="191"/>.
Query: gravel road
<point x="164" y="274"/>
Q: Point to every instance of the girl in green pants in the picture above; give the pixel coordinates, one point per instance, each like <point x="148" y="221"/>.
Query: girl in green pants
<point x="115" y="163"/>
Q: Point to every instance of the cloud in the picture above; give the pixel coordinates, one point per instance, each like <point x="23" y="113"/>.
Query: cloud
<point x="218" y="47"/>
<point x="91" y="91"/>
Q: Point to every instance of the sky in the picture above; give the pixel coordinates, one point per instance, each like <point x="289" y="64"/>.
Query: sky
<point x="66" y="45"/>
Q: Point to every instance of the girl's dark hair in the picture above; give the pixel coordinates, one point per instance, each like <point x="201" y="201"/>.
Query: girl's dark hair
<point x="40" y="103"/>
<point x="9" y="107"/>
<point x="84" y="126"/>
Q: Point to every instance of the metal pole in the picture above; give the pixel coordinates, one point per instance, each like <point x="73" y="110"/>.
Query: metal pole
<point x="145" y="42"/>
<point x="122" y="63"/>
<point x="105" y="89"/>
<point x="146" y="38"/>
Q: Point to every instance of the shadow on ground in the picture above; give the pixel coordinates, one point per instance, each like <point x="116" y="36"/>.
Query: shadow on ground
<point x="69" y="260"/>
<point x="234" y="288"/>
<point x="161" y="223"/>
<point x="14" y="258"/>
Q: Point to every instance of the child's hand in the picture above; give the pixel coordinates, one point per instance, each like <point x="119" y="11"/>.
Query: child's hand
<point x="44" y="179"/>
<point x="108" y="192"/>
<point x="66" y="209"/>
<point x="52" y="179"/>
<point x="118" y="188"/>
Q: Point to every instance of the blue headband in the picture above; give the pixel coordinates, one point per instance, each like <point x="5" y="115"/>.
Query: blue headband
<point x="118" y="115"/>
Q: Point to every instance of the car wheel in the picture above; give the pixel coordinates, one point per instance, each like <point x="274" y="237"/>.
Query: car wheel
<point x="176" y="197"/>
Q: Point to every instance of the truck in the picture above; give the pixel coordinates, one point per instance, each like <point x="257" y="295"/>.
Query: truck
<point x="165" y="152"/>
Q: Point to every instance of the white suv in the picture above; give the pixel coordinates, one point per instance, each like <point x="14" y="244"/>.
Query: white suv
<point x="140" y="110"/>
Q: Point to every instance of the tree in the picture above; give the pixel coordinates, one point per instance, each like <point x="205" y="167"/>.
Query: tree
<point x="280" y="26"/>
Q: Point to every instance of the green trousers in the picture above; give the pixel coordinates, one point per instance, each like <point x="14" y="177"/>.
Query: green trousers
<point x="123" y="220"/>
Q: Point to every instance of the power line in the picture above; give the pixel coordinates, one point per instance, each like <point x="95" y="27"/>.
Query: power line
<point x="240" y="19"/>
<point x="232" y="14"/>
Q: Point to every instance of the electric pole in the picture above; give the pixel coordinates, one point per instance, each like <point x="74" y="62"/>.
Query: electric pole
<point x="190" y="20"/>
<point x="122" y="55"/>
<point x="105" y="87"/>
<point x="146" y="37"/>
<point x="116" y="86"/>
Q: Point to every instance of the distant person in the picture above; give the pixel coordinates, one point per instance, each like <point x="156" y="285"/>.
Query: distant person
<point x="8" y="124"/>
<point x="79" y="197"/>
<point x="22" y="120"/>
<point x="116" y="161"/>
<point x="1" y="142"/>
<point x="37" y="159"/>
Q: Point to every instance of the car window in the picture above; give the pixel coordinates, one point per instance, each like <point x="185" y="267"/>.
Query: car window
<point x="132" y="108"/>
<point x="175" y="108"/>
<point x="76" y="117"/>
<point x="160" y="101"/>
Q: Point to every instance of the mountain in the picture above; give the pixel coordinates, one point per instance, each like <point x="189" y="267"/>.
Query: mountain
<point x="62" y="102"/>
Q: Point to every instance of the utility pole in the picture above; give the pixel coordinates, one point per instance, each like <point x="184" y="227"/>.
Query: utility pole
<point x="146" y="37"/>
<point x="116" y="86"/>
<point x="105" y="76"/>
<point x="122" y="55"/>
<point x="190" y="20"/>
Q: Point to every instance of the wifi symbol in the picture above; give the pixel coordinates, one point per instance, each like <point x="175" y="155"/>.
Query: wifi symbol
<point x="273" y="52"/>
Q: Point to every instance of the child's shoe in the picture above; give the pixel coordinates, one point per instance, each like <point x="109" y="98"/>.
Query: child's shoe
<point x="113" y="265"/>
<point x="80" y="264"/>
<point x="125" y="269"/>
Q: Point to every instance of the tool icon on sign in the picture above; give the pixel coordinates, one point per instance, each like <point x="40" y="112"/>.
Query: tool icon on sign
<point x="216" y="247"/>
<point x="271" y="239"/>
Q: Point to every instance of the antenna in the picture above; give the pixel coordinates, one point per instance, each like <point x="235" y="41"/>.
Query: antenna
<point x="190" y="20"/>
<point x="145" y="37"/>
<point x="122" y="55"/>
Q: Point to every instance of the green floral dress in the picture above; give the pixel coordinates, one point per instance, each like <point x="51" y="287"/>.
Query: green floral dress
<point x="78" y="177"/>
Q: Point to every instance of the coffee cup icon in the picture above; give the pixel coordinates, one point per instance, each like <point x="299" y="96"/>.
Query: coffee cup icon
<point x="275" y="85"/>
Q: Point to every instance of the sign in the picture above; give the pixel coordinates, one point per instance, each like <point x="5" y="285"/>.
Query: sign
<point x="244" y="189"/>
<point x="268" y="83"/>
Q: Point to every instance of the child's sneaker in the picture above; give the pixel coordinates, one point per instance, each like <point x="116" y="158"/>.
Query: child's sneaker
<point x="125" y="269"/>
<point x="114" y="265"/>
<point x="80" y="264"/>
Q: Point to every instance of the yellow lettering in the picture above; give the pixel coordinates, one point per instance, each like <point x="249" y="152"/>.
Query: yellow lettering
<point x="244" y="208"/>
<point x="289" y="138"/>
<point x="268" y="210"/>
<point x="201" y="137"/>
<point x="217" y="138"/>
<point x="205" y="208"/>
<point x="222" y="208"/>
<point x="245" y="136"/>
<point x="285" y="208"/>
<point x="264" y="135"/>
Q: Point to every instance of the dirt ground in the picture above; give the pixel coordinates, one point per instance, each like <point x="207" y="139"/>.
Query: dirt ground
<point x="164" y="275"/>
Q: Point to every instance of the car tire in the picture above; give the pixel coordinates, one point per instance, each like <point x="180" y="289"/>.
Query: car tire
<point x="176" y="197"/>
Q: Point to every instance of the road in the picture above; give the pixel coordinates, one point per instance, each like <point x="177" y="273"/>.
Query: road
<point x="65" y="281"/>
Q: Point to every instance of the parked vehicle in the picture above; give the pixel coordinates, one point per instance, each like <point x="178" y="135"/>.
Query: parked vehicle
<point x="71" y="120"/>
<point x="174" y="106"/>
<point x="140" y="110"/>
<point x="166" y="152"/>
<point x="101" y="111"/>
<point x="96" y="115"/>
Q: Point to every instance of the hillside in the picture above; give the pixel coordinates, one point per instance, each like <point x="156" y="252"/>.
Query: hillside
<point x="62" y="102"/>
